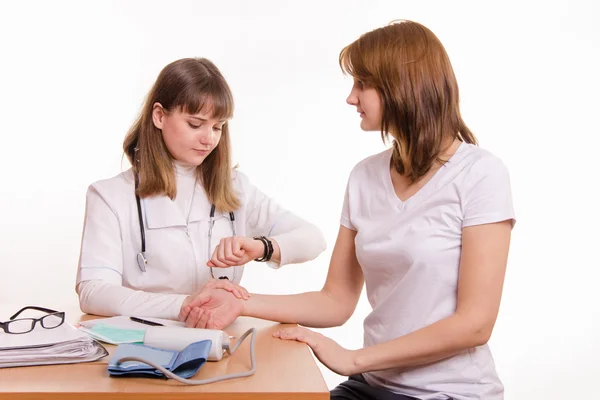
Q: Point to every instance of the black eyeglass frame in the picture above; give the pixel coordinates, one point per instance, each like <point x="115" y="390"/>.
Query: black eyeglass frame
<point x="5" y="326"/>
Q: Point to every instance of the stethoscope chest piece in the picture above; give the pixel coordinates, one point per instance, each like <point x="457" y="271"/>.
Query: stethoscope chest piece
<point x="142" y="261"/>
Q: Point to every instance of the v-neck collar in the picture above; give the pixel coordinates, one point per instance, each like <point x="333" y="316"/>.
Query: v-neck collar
<point x="430" y="186"/>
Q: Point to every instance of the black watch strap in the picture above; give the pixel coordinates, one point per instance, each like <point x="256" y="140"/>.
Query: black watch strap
<point x="268" y="253"/>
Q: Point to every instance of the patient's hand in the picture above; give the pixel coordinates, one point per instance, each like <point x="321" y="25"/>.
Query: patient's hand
<point x="213" y="309"/>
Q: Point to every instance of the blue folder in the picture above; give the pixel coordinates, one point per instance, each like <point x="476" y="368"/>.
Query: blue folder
<point x="184" y="363"/>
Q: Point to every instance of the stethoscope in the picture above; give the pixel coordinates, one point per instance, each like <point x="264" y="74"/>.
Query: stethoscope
<point x="142" y="261"/>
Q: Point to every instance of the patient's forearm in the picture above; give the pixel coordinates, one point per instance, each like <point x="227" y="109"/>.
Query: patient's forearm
<point x="312" y="309"/>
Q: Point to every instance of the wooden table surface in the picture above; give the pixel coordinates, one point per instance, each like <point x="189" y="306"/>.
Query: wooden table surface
<point x="285" y="370"/>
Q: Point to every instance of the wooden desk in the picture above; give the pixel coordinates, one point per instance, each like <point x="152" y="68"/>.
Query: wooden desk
<point x="285" y="370"/>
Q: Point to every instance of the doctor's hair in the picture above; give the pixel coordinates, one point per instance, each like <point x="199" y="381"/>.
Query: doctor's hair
<point x="410" y="69"/>
<point x="191" y="85"/>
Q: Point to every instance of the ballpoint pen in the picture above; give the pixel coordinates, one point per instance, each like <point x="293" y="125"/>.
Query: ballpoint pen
<point x="145" y="321"/>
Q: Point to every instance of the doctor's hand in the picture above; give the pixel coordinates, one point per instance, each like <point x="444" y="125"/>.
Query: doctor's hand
<point x="332" y="355"/>
<point x="224" y="284"/>
<point x="236" y="250"/>
<point x="214" y="309"/>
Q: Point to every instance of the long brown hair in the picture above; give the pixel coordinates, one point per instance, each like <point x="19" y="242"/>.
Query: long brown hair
<point x="410" y="69"/>
<point x="192" y="85"/>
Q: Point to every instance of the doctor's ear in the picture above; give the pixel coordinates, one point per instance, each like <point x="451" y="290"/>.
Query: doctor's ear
<point x="158" y="113"/>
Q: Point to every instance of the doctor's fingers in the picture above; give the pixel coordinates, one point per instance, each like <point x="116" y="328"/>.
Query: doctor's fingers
<point x="184" y="313"/>
<point x="232" y="249"/>
<point x="238" y="291"/>
<point x="194" y="317"/>
<point x="237" y="246"/>
<point x="228" y="253"/>
<point x="188" y="303"/>
<point x="198" y="300"/>
<point x="203" y="320"/>
<point x="216" y="261"/>
<point x="244" y="294"/>
<point x="225" y="284"/>
<point x="211" y="321"/>
<point x="225" y="251"/>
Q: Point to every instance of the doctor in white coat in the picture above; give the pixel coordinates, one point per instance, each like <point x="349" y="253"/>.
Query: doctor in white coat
<point x="159" y="233"/>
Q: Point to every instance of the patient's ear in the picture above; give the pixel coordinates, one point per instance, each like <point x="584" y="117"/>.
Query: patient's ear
<point x="158" y="114"/>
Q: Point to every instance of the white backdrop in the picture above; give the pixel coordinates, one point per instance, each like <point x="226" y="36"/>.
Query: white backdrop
<point x="74" y="74"/>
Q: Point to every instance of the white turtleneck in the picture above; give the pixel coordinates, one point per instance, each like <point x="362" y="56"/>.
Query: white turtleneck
<point x="186" y="183"/>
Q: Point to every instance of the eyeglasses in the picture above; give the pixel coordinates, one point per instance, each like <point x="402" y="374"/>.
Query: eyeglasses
<point x="54" y="319"/>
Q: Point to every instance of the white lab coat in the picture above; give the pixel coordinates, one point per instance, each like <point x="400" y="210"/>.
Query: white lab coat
<point x="109" y="280"/>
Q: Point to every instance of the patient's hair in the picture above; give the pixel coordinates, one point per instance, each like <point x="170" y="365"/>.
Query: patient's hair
<point x="410" y="69"/>
<point x="191" y="85"/>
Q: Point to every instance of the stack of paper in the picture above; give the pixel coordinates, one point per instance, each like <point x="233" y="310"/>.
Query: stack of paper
<point x="62" y="345"/>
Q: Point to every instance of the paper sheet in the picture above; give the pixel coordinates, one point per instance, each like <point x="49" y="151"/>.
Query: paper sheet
<point x="40" y="337"/>
<point x="62" y="345"/>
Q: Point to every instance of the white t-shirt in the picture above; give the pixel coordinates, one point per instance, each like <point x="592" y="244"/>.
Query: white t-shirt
<point x="109" y="280"/>
<point x="409" y="253"/>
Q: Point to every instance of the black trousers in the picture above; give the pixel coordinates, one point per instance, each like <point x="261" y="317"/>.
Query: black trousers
<point x="356" y="388"/>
